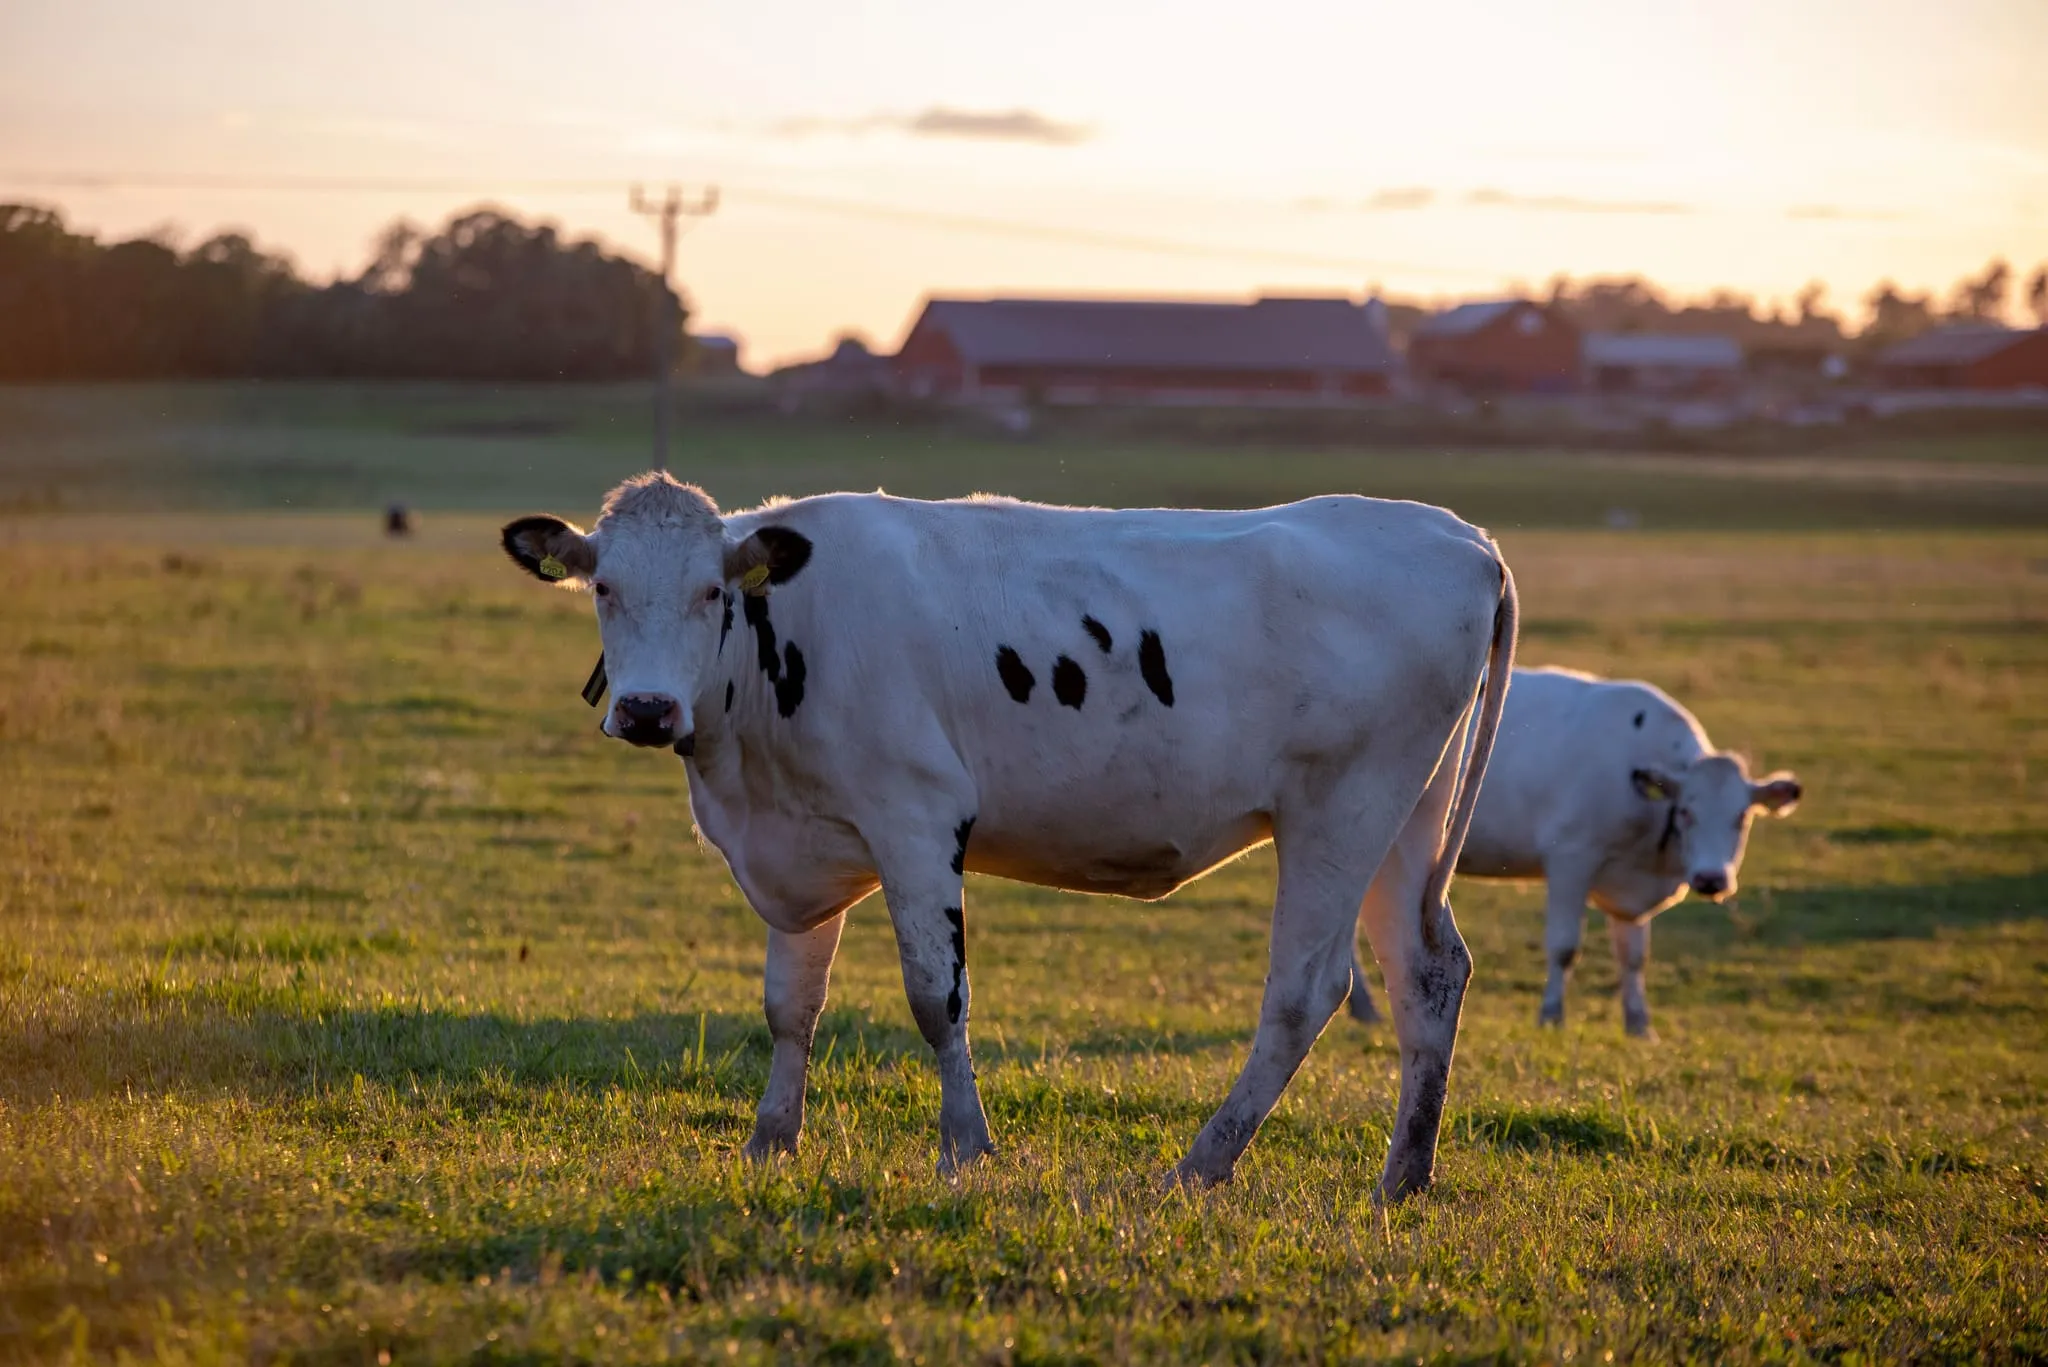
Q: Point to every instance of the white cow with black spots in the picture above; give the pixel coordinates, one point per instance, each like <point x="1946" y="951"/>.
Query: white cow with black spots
<point x="1101" y="701"/>
<point x="1611" y="793"/>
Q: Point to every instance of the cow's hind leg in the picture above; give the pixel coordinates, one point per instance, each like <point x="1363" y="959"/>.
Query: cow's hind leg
<point x="1426" y="966"/>
<point x="1326" y="857"/>
<point x="922" y="881"/>
<point x="793" y="994"/>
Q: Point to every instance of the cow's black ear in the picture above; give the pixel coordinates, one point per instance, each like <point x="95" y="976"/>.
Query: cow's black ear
<point x="771" y="555"/>
<point x="1654" y="787"/>
<point x="550" y="549"/>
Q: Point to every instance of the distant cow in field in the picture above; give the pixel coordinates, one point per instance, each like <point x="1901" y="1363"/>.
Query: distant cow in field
<point x="872" y="692"/>
<point x="1610" y="792"/>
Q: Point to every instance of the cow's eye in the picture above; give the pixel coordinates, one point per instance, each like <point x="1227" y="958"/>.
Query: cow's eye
<point x="601" y="590"/>
<point x="713" y="594"/>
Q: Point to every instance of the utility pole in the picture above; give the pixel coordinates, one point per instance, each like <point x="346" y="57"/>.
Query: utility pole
<point x="668" y="211"/>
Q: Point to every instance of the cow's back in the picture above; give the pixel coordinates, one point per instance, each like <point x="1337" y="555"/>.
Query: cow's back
<point x="1125" y="693"/>
<point x="1561" y="769"/>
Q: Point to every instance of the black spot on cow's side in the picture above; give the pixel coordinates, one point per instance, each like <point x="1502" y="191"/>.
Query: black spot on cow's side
<point x="789" y="689"/>
<point x="725" y="623"/>
<point x="756" y="610"/>
<point x="1639" y="721"/>
<point x="1152" y="667"/>
<point x="788" y="552"/>
<point x="1069" y="684"/>
<point x="960" y="834"/>
<point x="959" y="924"/>
<point x="728" y="695"/>
<point x="1099" y="632"/>
<point x="1016" y="677"/>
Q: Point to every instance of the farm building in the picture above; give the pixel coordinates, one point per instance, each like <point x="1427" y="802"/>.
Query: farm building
<point x="1078" y="351"/>
<point x="1968" y="356"/>
<point x="849" y="376"/>
<point x="1662" y="364"/>
<point x="1503" y="346"/>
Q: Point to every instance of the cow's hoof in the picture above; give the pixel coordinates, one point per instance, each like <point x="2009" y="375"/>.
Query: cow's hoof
<point x="768" y="1143"/>
<point x="955" y="1158"/>
<point x="1398" y="1184"/>
<point x="1362" y="1009"/>
<point x="1641" y="1029"/>
<point x="1554" y="1019"/>
<point x="1188" y="1175"/>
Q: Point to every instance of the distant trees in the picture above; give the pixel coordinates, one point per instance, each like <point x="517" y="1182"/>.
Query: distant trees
<point x="487" y="297"/>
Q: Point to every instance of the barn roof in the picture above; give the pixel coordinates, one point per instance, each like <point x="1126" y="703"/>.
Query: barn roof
<point x="1313" y="334"/>
<point x="1696" y="351"/>
<point x="1961" y="344"/>
<point x="1465" y="318"/>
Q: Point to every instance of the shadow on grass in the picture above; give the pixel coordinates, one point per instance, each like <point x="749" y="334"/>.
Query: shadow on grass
<point x="1844" y="914"/>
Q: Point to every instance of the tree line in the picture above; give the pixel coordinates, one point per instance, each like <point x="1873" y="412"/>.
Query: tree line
<point x="488" y="297"/>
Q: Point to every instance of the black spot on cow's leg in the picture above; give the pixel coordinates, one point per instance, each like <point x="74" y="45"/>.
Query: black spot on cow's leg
<point x="728" y="695"/>
<point x="1069" y="684"/>
<point x="725" y="624"/>
<point x="756" y="610"/>
<point x="1639" y="721"/>
<point x="960" y="834"/>
<point x="1016" y="677"/>
<point x="1099" y="632"/>
<point x="959" y="924"/>
<point x="1152" y="667"/>
<point x="789" y="689"/>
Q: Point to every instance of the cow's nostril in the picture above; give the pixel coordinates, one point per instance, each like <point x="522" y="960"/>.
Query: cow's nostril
<point x="644" y="708"/>
<point x="1709" y="884"/>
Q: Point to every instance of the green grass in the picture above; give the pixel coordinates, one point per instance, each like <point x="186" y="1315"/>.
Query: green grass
<point x="355" y="998"/>
<point x="451" y="447"/>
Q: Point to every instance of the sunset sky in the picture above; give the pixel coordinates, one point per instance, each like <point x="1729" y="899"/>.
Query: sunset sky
<point x="872" y="154"/>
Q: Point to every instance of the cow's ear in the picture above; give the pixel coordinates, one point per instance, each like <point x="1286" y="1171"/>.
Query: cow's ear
<point x="551" y="549"/>
<point x="1655" y="787"/>
<point x="772" y="555"/>
<point x="1777" y="795"/>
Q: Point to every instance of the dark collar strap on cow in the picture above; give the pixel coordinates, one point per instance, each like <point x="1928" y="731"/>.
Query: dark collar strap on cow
<point x="593" y="692"/>
<point x="1664" y="840"/>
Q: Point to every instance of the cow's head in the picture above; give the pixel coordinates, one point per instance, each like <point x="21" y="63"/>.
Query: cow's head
<point x="1708" y="806"/>
<point x="662" y="572"/>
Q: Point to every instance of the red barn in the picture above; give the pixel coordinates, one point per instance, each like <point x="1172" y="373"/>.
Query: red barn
<point x="1503" y="346"/>
<point x="1270" y="351"/>
<point x="1968" y="356"/>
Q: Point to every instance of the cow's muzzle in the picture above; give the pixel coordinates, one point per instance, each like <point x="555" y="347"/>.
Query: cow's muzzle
<point x="646" y="719"/>
<point x="1713" y="884"/>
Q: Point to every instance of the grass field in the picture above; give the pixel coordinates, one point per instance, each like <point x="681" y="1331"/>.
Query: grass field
<point x="357" y="1000"/>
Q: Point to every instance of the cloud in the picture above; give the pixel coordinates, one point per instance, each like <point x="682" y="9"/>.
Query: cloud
<point x="1836" y="213"/>
<point x="1400" y="197"/>
<point x="941" y="121"/>
<point x="1490" y="198"/>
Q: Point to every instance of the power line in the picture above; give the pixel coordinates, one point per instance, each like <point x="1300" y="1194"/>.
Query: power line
<point x="773" y="198"/>
<point x="668" y="211"/>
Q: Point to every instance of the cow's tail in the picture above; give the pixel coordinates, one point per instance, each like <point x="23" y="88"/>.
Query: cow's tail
<point x="1493" y="697"/>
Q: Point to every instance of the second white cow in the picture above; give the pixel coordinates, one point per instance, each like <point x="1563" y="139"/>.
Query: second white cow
<point x="1610" y="792"/>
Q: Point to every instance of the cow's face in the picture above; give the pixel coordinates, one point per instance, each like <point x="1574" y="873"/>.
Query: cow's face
<point x="1708" y="808"/>
<point x="662" y="574"/>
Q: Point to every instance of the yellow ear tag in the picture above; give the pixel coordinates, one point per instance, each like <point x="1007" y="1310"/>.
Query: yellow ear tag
<point x="553" y="568"/>
<point x="754" y="579"/>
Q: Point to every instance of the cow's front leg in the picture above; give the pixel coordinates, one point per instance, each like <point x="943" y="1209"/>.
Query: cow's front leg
<point x="1631" y="941"/>
<point x="923" y="888"/>
<point x="1564" y="917"/>
<point x="793" y="995"/>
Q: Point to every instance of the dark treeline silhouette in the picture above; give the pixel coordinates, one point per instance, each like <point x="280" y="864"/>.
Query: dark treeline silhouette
<point x="487" y="297"/>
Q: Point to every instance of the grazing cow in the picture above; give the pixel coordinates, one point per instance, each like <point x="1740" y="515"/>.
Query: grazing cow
<point x="1610" y="792"/>
<point x="876" y="692"/>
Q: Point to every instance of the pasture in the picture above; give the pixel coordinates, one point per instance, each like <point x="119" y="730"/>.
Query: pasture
<point x="358" y="1003"/>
